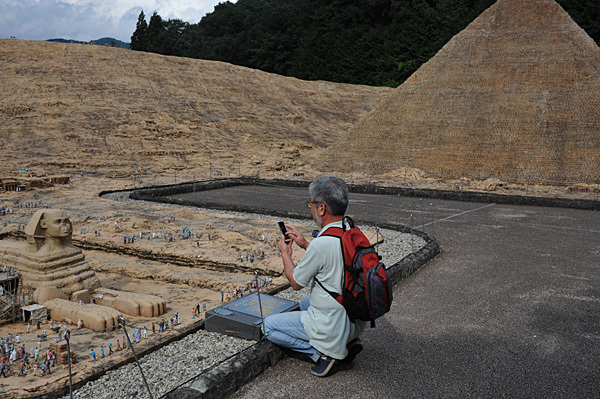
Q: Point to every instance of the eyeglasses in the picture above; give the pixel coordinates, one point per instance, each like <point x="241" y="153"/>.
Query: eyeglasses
<point x="310" y="202"/>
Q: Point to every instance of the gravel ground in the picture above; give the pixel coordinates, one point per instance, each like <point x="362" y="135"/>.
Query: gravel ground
<point x="165" y="368"/>
<point x="180" y="361"/>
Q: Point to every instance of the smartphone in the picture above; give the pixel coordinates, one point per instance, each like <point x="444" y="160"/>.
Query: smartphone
<point x="283" y="231"/>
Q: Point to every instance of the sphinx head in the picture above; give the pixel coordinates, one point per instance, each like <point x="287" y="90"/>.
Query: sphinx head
<point x="56" y="224"/>
<point x="49" y="226"/>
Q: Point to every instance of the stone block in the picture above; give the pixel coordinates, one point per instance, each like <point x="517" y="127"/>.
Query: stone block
<point x="94" y="317"/>
<point x="82" y="295"/>
<point x="45" y="294"/>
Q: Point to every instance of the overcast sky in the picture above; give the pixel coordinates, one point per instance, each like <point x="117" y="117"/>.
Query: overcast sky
<point x="87" y="20"/>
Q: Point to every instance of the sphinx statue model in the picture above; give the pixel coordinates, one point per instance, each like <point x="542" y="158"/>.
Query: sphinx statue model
<point x="58" y="275"/>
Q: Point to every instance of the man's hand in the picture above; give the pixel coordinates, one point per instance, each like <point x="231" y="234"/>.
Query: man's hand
<point x="297" y="237"/>
<point x="286" y="249"/>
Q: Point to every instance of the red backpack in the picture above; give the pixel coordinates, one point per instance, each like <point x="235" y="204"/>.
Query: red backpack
<point x="366" y="286"/>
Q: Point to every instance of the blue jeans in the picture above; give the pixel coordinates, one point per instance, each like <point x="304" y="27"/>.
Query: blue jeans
<point x="286" y="329"/>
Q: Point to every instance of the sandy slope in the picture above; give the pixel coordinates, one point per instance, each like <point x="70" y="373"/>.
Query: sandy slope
<point x="68" y="107"/>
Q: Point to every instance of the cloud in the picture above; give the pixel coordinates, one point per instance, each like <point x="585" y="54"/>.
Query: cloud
<point x="90" y="19"/>
<point x="188" y="10"/>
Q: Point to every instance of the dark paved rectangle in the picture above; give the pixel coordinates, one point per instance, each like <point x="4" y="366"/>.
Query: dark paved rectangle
<point x="508" y="309"/>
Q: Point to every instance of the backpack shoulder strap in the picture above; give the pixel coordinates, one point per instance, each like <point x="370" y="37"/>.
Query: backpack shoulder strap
<point x="333" y="294"/>
<point x="333" y="232"/>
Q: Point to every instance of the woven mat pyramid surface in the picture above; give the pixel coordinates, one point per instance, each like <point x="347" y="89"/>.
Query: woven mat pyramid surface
<point x="515" y="94"/>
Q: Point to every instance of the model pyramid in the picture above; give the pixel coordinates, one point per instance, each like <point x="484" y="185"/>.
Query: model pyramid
<point x="515" y="94"/>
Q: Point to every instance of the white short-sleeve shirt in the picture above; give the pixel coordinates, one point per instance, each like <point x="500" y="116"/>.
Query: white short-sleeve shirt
<point x="325" y="322"/>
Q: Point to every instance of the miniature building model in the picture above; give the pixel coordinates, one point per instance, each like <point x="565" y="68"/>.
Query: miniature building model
<point x="9" y="184"/>
<point x="9" y="286"/>
<point x="35" y="313"/>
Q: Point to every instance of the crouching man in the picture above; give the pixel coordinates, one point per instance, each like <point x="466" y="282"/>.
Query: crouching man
<point x="321" y="329"/>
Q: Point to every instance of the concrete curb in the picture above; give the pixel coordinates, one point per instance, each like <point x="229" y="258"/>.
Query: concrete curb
<point x="231" y="375"/>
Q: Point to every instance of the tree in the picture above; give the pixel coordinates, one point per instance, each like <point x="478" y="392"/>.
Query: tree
<point x="138" y="39"/>
<point x="155" y="33"/>
<point x="374" y="42"/>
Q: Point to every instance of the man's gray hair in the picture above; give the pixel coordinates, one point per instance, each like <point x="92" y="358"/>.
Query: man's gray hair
<point x="331" y="191"/>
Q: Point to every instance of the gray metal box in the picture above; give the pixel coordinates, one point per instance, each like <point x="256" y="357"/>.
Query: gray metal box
<point x="241" y="317"/>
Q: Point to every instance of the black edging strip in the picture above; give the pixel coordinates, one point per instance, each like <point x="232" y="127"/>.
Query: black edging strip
<point x="244" y="367"/>
<point x="232" y="374"/>
<point x="151" y="193"/>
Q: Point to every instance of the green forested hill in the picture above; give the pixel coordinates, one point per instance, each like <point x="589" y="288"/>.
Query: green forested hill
<point x="372" y="42"/>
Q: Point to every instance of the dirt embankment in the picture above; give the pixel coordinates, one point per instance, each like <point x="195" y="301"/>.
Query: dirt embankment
<point x="70" y="107"/>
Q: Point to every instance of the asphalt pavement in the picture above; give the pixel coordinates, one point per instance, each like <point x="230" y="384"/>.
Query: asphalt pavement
<point x="509" y="308"/>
